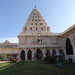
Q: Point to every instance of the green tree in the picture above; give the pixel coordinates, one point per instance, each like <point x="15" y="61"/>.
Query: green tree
<point x="3" y="57"/>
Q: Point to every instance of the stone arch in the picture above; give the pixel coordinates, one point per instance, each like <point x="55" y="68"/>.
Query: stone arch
<point x="29" y="55"/>
<point x="22" y="55"/>
<point x="53" y="52"/>
<point x="47" y="52"/>
<point x="39" y="54"/>
<point x="61" y="51"/>
<point x="69" y="48"/>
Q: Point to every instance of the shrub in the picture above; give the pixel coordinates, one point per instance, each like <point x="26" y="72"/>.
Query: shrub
<point x="49" y="59"/>
<point x="53" y="60"/>
<point x="3" y="57"/>
<point x="61" y="59"/>
<point x="70" y="60"/>
<point x="13" y="60"/>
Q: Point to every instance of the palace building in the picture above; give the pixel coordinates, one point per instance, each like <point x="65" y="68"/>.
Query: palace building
<point x="36" y="41"/>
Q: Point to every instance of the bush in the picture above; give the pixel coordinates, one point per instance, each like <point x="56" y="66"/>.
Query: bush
<point x="49" y="59"/>
<point x="13" y="60"/>
<point x="70" y="60"/>
<point x="3" y="57"/>
<point x="61" y="59"/>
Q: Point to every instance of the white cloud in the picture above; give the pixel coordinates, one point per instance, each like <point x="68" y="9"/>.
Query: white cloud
<point x="10" y="39"/>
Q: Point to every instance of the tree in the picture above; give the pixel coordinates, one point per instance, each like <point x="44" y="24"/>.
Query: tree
<point x="3" y="57"/>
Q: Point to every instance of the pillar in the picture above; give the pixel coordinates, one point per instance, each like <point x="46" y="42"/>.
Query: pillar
<point x="50" y="51"/>
<point x="57" y="50"/>
<point x="26" y="55"/>
<point x="33" y="54"/>
<point x="19" y="56"/>
<point x="44" y="53"/>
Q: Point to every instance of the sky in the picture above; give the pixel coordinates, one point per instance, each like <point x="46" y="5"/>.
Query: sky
<point x="58" y="14"/>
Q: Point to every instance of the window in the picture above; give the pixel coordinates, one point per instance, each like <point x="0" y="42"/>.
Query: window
<point x="30" y="28"/>
<point x="42" y="28"/>
<point x="36" y="28"/>
<point x="36" y="23"/>
<point x="41" y="40"/>
<point x="33" y="41"/>
<point x="33" y="17"/>
<point x="40" y="23"/>
<point x="38" y="40"/>
<point x="25" y="28"/>
<point x="32" y="20"/>
<point x="69" y="47"/>
<point x="31" y="23"/>
<point x="36" y="20"/>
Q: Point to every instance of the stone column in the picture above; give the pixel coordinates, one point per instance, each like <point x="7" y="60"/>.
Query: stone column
<point x="66" y="57"/>
<point x="57" y="50"/>
<point x="19" y="56"/>
<point x="44" y="53"/>
<point x="73" y="51"/>
<point x="33" y="54"/>
<point x="26" y="55"/>
<point x="50" y="51"/>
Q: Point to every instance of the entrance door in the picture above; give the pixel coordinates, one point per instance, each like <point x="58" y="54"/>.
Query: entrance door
<point x="39" y="54"/>
<point x="29" y="55"/>
<point x="47" y="53"/>
<point x="22" y="55"/>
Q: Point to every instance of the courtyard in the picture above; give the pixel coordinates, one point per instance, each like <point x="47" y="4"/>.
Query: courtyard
<point x="36" y="68"/>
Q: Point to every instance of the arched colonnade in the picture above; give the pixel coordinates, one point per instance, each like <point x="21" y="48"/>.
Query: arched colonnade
<point x="38" y="54"/>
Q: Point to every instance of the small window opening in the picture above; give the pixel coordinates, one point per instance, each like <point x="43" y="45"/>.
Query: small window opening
<point x="33" y="41"/>
<point x="31" y="23"/>
<point x="42" y="28"/>
<point x="38" y="40"/>
<point x="30" y="28"/>
<point x="36" y="28"/>
<point x="41" y="40"/>
<point x="36" y="23"/>
<point x="40" y="23"/>
<point x="25" y="28"/>
<point x="35" y="17"/>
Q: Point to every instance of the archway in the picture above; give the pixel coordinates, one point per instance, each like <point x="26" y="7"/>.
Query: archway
<point x="62" y="52"/>
<point x="53" y="52"/>
<point x="22" y="55"/>
<point x="29" y="55"/>
<point x="69" y="48"/>
<point x="39" y="54"/>
<point x="47" y="53"/>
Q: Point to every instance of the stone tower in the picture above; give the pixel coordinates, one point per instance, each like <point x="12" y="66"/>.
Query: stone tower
<point x="35" y="25"/>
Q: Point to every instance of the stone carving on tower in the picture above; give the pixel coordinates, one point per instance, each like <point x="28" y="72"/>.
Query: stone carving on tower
<point x="35" y="24"/>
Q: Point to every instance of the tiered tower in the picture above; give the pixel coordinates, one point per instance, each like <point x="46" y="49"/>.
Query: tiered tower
<point x="35" y="24"/>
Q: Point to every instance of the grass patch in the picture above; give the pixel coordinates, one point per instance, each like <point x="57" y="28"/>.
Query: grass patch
<point x="36" y="68"/>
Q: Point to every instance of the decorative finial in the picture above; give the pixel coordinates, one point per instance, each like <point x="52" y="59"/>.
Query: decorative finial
<point x="35" y="6"/>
